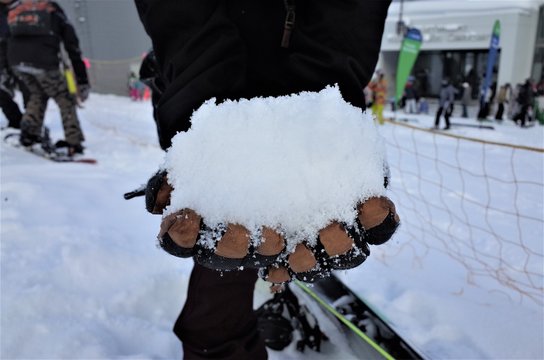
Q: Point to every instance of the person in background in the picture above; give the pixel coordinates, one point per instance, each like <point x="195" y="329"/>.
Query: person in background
<point x="261" y="51"/>
<point x="423" y="106"/>
<point x="502" y="100"/>
<point x="369" y="96"/>
<point x="379" y="91"/>
<point x="132" y="88"/>
<point x="411" y="98"/>
<point x="466" y="98"/>
<point x="540" y="87"/>
<point x="525" y="100"/>
<point x="38" y="28"/>
<point x="445" y="104"/>
<point x="485" y="104"/>
<point x="7" y="79"/>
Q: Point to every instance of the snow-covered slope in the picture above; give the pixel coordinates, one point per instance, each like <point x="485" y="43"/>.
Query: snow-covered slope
<point x="82" y="277"/>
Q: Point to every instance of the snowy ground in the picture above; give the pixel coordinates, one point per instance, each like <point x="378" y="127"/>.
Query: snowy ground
<point x="81" y="276"/>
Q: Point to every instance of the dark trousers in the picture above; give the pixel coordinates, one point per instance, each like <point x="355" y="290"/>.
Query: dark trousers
<point x="500" y="112"/>
<point x="10" y="109"/>
<point x="465" y="111"/>
<point x="42" y="86"/>
<point x="484" y="111"/>
<point x="447" y="114"/>
<point x="218" y="321"/>
<point x="521" y="117"/>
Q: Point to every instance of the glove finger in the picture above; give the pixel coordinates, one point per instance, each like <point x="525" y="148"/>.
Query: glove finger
<point x="157" y="193"/>
<point x="379" y="219"/>
<point x="374" y="211"/>
<point x="183" y="227"/>
<point x="272" y="243"/>
<point x="234" y="243"/>
<point x="335" y="240"/>
<point x="276" y="274"/>
<point x="302" y="259"/>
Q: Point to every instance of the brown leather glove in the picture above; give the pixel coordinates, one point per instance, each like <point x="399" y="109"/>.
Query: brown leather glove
<point x="230" y="246"/>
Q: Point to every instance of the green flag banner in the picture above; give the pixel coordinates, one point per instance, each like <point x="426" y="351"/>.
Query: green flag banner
<point x="407" y="58"/>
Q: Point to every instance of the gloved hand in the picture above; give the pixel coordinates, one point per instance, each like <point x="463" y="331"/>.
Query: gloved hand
<point x="338" y="245"/>
<point x="83" y="92"/>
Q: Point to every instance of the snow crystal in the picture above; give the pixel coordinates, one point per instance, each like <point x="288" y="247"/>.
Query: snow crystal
<point x="293" y="163"/>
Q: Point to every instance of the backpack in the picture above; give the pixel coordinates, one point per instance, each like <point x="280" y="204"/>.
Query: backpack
<point x="31" y="18"/>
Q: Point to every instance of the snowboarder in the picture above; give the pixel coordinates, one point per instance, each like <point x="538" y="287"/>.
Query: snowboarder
<point x="37" y="29"/>
<point x="261" y="52"/>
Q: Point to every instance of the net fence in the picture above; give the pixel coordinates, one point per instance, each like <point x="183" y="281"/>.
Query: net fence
<point x="478" y="202"/>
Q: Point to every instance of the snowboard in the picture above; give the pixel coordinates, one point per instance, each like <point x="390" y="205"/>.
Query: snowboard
<point x="46" y="149"/>
<point x="367" y="331"/>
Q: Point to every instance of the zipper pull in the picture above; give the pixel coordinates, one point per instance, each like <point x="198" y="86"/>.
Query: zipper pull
<point x="289" y="24"/>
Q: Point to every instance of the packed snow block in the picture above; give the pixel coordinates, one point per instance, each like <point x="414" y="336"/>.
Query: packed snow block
<point x="292" y="185"/>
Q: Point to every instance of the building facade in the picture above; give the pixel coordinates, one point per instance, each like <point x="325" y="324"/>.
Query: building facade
<point x="456" y="39"/>
<point x="111" y="37"/>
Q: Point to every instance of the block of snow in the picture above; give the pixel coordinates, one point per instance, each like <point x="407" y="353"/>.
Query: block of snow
<point x="293" y="163"/>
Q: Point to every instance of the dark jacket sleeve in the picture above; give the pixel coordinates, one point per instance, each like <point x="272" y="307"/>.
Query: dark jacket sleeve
<point x="232" y="49"/>
<point x="71" y="44"/>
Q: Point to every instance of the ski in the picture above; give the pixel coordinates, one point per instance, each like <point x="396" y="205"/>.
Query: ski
<point x="369" y="334"/>
<point x="46" y="150"/>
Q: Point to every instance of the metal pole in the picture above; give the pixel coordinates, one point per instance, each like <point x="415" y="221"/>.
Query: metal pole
<point x="400" y="23"/>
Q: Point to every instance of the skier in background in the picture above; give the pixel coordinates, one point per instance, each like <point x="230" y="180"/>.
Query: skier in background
<point x="262" y="51"/>
<point x="379" y="91"/>
<point x="37" y="29"/>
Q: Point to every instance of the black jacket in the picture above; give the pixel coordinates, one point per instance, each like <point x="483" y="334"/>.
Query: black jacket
<point x="43" y="51"/>
<point x="231" y="49"/>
